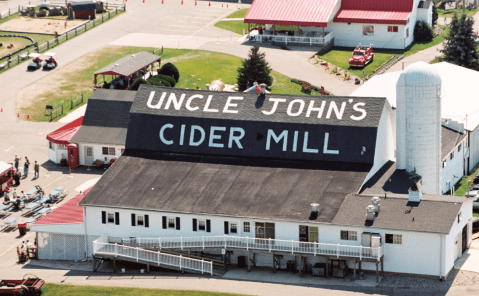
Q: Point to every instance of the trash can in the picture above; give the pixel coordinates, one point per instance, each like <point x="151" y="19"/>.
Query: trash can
<point x="319" y="269"/>
<point x="22" y="228"/>
<point x="241" y="261"/>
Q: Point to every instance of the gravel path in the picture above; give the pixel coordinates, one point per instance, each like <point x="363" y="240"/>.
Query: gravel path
<point x="455" y="278"/>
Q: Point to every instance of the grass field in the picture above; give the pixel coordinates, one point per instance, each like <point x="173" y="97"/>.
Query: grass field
<point x="71" y="290"/>
<point x="197" y="68"/>
<point x="238" y="14"/>
<point x="18" y="42"/>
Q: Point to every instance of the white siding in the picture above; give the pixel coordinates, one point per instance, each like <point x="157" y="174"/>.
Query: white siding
<point x="56" y="155"/>
<point x="473" y="148"/>
<point x="425" y="15"/>
<point x="454" y="169"/>
<point x="73" y="228"/>
<point x="385" y="144"/>
<point x="98" y="152"/>
<point x="419" y="252"/>
<point x="351" y="35"/>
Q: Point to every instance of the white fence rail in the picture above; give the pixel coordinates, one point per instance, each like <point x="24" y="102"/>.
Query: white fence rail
<point x="102" y="247"/>
<point x="258" y="244"/>
<point x="293" y="39"/>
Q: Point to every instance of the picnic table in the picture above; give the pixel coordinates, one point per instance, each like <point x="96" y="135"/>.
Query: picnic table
<point x="42" y="211"/>
<point x="10" y="221"/>
<point x="31" y="191"/>
<point x="4" y="207"/>
<point x="56" y="191"/>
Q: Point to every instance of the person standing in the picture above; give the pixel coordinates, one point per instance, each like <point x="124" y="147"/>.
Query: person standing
<point x="25" y="167"/>
<point x="17" y="161"/>
<point x="37" y="170"/>
<point x="14" y="193"/>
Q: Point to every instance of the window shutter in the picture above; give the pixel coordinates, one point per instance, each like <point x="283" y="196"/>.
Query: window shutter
<point x="177" y="223"/>
<point x="117" y="218"/>
<point x="208" y="225"/>
<point x="103" y="217"/>
<point x="227" y="230"/>
<point x="133" y="222"/>
<point x="163" y="220"/>
<point x="194" y="224"/>
<point x="147" y="221"/>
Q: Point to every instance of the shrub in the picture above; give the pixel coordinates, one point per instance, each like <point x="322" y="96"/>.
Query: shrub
<point x="169" y="69"/>
<point x="137" y="83"/>
<point x="170" y="79"/>
<point x="306" y="87"/>
<point x="423" y="32"/>
<point x="158" y="81"/>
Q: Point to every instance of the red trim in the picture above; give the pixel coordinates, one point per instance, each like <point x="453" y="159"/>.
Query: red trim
<point x="69" y="212"/>
<point x="372" y="17"/>
<point x="65" y="133"/>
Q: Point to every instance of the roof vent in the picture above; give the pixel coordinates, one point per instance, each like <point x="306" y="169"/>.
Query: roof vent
<point x="415" y="193"/>
<point x="371" y="213"/>
<point x="314" y="207"/>
<point x="376" y="201"/>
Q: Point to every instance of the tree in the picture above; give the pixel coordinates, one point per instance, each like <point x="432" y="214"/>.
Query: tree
<point x="254" y="68"/>
<point x="423" y="32"/>
<point x="169" y="69"/>
<point x="435" y="15"/>
<point x="460" y="45"/>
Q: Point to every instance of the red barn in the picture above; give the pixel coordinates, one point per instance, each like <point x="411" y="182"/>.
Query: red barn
<point x="82" y="10"/>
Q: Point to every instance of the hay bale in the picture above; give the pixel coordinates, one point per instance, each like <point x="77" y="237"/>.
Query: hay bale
<point x="42" y="13"/>
<point x="55" y="11"/>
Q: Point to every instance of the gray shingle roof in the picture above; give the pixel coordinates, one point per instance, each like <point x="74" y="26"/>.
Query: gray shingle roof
<point x="130" y="64"/>
<point x="449" y="140"/>
<point x="432" y="214"/>
<point x="379" y="183"/>
<point x="226" y="186"/>
<point x="106" y="117"/>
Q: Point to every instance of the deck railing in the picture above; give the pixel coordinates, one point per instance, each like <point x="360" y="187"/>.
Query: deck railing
<point x="102" y="247"/>
<point x="317" y="40"/>
<point x="247" y="243"/>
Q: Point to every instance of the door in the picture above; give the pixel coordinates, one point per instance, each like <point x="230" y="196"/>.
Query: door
<point x="264" y="230"/>
<point x="303" y="233"/>
<point x="89" y="158"/>
<point x="464" y="238"/>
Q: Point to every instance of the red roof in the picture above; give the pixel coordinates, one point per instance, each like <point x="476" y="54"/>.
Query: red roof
<point x="374" y="11"/>
<point x="65" y="133"/>
<point x="313" y="13"/>
<point x="67" y="213"/>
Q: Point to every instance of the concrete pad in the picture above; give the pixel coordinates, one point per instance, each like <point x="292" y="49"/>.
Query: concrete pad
<point x="159" y="40"/>
<point x="74" y="115"/>
<point x="87" y="184"/>
<point x="470" y="260"/>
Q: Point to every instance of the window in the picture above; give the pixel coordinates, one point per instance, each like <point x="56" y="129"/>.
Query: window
<point x="62" y="146"/>
<point x="234" y="228"/>
<point x="443" y="164"/>
<point x="246" y="227"/>
<point x="108" y="150"/>
<point x="395" y="239"/>
<point x="110" y="217"/>
<point x="313" y="235"/>
<point x="89" y="151"/>
<point x="459" y="217"/>
<point x="368" y="30"/>
<point x="459" y="148"/>
<point x="202" y="225"/>
<point x="452" y="155"/>
<point x="392" y="29"/>
<point x="349" y="235"/>
<point x="141" y="221"/>
<point x="51" y="145"/>
<point x="407" y="32"/>
<point x="171" y="222"/>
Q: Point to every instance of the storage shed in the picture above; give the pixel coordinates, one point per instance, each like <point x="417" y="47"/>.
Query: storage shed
<point x="82" y="10"/>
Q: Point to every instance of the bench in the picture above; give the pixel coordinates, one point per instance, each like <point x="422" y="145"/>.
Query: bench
<point x="42" y="211"/>
<point x="9" y="222"/>
<point x="99" y="164"/>
<point x="30" y="221"/>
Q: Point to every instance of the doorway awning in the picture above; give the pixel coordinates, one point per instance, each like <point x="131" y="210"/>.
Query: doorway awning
<point x="311" y="13"/>
<point x="63" y="135"/>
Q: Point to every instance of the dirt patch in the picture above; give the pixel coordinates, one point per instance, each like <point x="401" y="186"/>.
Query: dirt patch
<point x="39" y="25"/>
<point x="60" y="83"/>
<point x="18" y="43"/>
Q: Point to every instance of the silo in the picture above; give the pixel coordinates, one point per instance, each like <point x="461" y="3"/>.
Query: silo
<point x="418" y="129"/>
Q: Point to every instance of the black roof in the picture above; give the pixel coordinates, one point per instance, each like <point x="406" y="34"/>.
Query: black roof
<point x="226" y="186"/>
<point x="435" y="213"/>
<point x="379" y="183"/>
<point x="449" y="140"/>
<point x="345" y="132"/>
<point x="83" y="5"/>
<point x="106" y="117"/>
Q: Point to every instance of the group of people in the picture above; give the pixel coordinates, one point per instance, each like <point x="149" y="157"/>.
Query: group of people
<point x="26" y="250"/>
<point x="26" y="166"/>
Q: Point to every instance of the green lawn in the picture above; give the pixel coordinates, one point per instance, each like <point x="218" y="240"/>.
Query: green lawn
<point x="450" y="13"/>
<point x="461" y="186"/>
<point x="71" y="290"/>
<point x="206" y="66"/>
<point x="238" y="14"/>
<point x="475" y="214"/>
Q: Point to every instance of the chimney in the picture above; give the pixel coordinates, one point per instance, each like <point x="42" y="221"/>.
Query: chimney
<point x="263" y="88"/>
<point x="371" y="214"/>
<point x="376" y="201"/>
<point x="314" y="207"/>
<point x="207" y="87"/>
<point x="415" y="193"/>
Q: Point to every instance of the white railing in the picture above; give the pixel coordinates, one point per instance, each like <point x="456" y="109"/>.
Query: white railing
<point x="258" y="244"/>
<point x="293" y="39"/>
<point x="100" y="247"/>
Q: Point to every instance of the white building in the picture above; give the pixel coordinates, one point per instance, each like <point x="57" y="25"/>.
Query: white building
<point x="103" y="132"/>
<point x="59" y="139"/>
<point x="283" y="179"/>
<point x="383" y="23"/>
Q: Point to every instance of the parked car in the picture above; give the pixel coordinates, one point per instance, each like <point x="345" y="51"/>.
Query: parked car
<point x="36" y="63"/>
<point x="475" y="204"/>
<point x="471" y="193"/>
<point x="475" y="187"/>
<point x="361" y="56"/>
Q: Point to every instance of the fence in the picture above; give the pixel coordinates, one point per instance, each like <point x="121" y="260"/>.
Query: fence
<point x="100" y="247"/>
<point x="57" y="40"/>
<point x="259" y="244"/>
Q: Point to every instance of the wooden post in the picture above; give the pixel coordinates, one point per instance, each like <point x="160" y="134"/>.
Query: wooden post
<point x="382" y="266"/>
<point x="323" y="31"/>
<point x="93" y="260"/>
<point x="327" y="267"/>
<point x="377" y="273"/>
<point x="300" y="256"/>
<point x="148" y="267"/>
<point x="114" y="260"/>
<point x="249" y="262"/>
<point x="354" y="273"/>
<point x="274" y="264"/>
